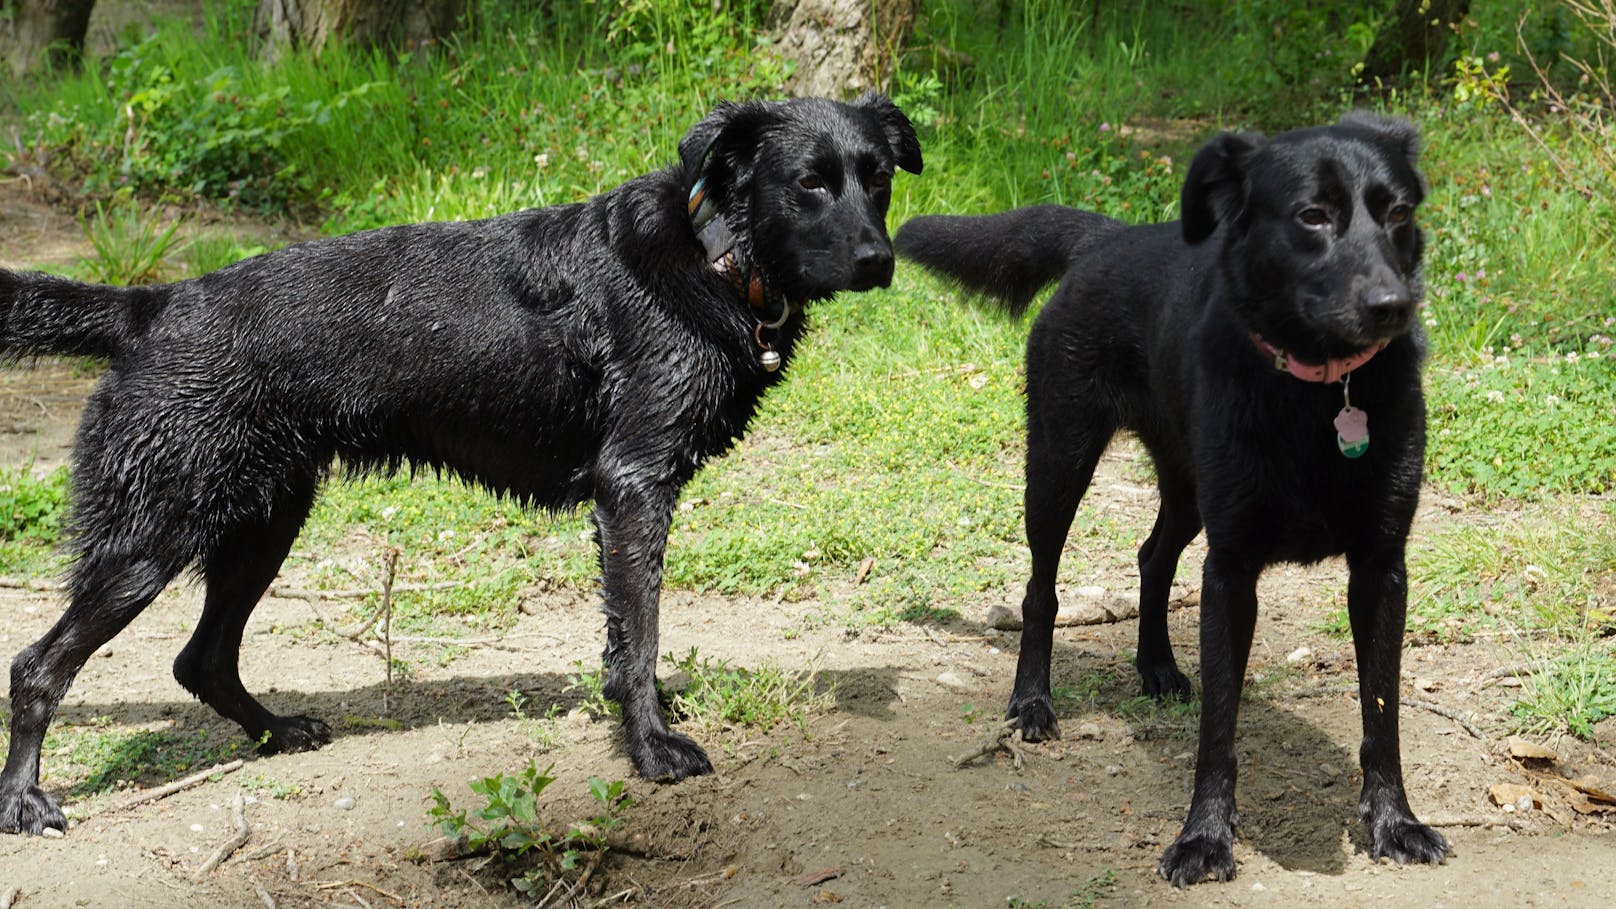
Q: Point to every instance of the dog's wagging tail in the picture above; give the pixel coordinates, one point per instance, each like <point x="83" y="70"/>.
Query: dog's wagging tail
<point x="597" y="351"/>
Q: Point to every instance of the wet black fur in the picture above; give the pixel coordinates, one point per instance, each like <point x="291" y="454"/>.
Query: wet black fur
<point x="1149" y="331"/>
<point x="559" y="355"/>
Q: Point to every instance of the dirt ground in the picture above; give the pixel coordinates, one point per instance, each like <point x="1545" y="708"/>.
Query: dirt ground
<point x="867" y="809"/>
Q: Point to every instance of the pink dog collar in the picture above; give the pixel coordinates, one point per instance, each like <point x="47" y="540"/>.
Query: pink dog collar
<point x="1329" y="371"/>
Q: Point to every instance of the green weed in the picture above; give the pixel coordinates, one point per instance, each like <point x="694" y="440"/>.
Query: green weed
<point x="1575" y="691"/>
<point x="508" y="825"/>
<point x="102" y="759"/>
<point x="131" y="245"/>
<point x="718" y="696"/>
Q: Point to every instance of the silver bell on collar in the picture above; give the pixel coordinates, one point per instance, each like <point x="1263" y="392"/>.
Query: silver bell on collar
<point x="769" y="360"/>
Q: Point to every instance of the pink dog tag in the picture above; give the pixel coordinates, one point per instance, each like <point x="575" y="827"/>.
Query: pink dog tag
<point x="1352" y="431"/>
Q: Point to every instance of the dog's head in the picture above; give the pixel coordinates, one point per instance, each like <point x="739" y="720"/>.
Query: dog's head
<point x="1318" y="228"/>
<point x="804" y="186"/>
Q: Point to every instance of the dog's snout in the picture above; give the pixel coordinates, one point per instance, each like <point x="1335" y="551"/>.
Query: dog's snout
<point x="872" y="264"/>
<point x="1391" y="306"/>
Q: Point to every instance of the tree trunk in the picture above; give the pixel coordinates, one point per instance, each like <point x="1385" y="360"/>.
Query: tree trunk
<point x="842" y="47"/>
<point x="46" y="34"/>
<point x="1414" y="37"/>
<point x="389" y="24"/>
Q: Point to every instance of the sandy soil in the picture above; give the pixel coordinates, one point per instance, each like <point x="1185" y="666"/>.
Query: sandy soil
<point x="867" y="808"/>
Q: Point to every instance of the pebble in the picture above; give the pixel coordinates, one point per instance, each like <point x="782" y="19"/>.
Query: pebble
<point x="1298" y="655"/>
<point x="346" y="803"/>
<point x="1089" y="731"/>
<point x="952" y="681"/>
<point x="51" y="833"/>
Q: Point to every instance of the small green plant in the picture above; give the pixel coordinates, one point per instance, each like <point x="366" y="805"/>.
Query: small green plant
<point x="31" y="513"/>
<point x="209" y="253"/>
<point x="719" y="695"/>
<point x="508" y="825"/>
<point x="131" y="245"/>
<point x="1573" y="693"/>
<point x="591" y="687"/>
<point x="1085" y="897"/>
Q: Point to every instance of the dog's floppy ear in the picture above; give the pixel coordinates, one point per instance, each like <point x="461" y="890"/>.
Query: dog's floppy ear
<point x="900" y="132"/>
<point x="729" y="135"/>
<point x="1214" y="189"/>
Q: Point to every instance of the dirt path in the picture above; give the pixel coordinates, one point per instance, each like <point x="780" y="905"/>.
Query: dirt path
<point x="866" y="808"/>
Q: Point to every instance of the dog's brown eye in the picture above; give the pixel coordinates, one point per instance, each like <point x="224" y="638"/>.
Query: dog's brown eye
<point x="881" y="180"/>
<point x="1399" y="214"/>
<point x="1313" y="217"/>
<point x="812" y="181"/>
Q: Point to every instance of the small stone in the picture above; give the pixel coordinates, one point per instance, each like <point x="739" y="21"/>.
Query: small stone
<point x="1298" y="655"/>
<point x="1004" y="618"/>
<point x="1089" y="731"/>
<point x="346" y="803"/>
<point x="952" y="681"/>
<point x="51" y="833"/>
<point x="1112" y="770"/>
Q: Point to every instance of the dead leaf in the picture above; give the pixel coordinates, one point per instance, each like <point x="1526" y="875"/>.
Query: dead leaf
<point x="1510" y="794"/>
<point x="819" y="877"/>
<point x="864" y="569"/>
<point x="1523" y="750"/>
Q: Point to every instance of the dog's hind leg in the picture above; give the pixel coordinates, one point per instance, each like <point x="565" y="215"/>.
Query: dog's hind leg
<point x="1177" y="522"/>
<point x="1377" y="602"/>
<point x="237" y="570"/>
<point x="1061" y="457"/>
<point x="107" y="594"/>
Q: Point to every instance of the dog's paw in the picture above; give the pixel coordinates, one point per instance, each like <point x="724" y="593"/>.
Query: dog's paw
<point x="290" y="734"/>
<point x="30" y="812"/>
<point x="668" y="757"/>
<point x="1407" y="842"/>
<point x="1196" y="858"/>
<point x="1035" y="717"/>
<point x="1165" y="683"/>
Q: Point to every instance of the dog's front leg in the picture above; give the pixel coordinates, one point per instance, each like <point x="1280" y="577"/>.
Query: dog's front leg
<point x="1377" y="601"/>
<point x="1205" y="847"/>
<point x="631" y="527"/>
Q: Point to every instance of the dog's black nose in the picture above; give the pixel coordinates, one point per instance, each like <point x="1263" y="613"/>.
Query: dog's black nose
<point x="872" y="265"/>
<point x="1391" y="306"/>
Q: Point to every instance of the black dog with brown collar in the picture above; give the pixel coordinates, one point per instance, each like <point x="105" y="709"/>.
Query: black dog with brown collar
<point x="593" y="351"/>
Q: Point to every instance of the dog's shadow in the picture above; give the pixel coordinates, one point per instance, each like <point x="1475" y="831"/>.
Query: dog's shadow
<point x="158" y="740"/>
<point x="1297" y="791"/>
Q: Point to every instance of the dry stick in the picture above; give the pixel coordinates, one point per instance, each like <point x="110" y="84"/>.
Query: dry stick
<point x="195" y="779"/>
<point x="243" y="833"/>
<point x="354" y="593"/>
<point x="1437" y="709"/>
<point x="387" y="619"/>
<point x="263" y="895"/>
<point x="1510" y="672"/>
<point x="1473" y="820"/>
<point x="998" y="742"/>
<point x="10" y="897"/>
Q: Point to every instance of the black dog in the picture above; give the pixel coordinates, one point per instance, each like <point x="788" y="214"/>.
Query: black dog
<point x="1230" y="344"/>
<point x="601" y="350"/>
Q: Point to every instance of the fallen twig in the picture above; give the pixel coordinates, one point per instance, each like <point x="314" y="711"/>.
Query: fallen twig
<point x="1450" y="713"/>
<point x="166" y="790"/>
<point x="9" y="898"/>
<point x="355" y="593"/>
<point x="1006" y="737"/>
<point x="1474" y="820"/>
<point x="1509" y="672"/>
<point x="238" y="817"/>
<point x="1437" y="709"/>
<point x="31" y="584"/>
<point x="263" y="895"/>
